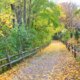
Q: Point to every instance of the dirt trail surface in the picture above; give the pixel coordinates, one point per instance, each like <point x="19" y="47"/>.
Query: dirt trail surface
<point x="51" y="63"/>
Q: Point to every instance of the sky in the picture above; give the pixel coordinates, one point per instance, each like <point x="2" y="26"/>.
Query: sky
<point x="74" y="1"/>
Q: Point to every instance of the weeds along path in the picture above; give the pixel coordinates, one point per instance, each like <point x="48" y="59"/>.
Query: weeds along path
<point x="52" y="63"/>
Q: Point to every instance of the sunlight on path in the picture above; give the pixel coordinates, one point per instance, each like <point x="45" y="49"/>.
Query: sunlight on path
<point x="52" y="63"/>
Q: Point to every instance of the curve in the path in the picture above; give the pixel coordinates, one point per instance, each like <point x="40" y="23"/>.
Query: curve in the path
<point x="52" y="63"/>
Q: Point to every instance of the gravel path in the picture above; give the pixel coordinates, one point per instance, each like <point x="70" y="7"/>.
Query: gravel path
<point x="52" y="63"/>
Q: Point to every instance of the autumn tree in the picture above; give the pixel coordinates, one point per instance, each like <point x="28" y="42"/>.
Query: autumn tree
<point x="71" y="21"/>
<point x="69" y="10"/>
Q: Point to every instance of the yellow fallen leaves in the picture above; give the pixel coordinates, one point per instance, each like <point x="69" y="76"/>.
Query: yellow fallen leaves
<point x="55" y="47"/>
<point x="70" y="70"/>
<point x="66" y="68"/>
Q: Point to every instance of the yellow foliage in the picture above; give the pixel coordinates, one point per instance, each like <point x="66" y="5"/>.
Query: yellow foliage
<point x="62" y="13"/>
<point x="1" y="33"/>
<point x="5" y="20"/>
<point x="59" y="29"/>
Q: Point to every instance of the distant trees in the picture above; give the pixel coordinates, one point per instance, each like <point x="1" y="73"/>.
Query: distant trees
<point x="72" y="19"/>
<point x="69" y="10"/>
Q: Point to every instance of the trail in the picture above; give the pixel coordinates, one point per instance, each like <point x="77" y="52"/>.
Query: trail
<point x="54" y="62"/>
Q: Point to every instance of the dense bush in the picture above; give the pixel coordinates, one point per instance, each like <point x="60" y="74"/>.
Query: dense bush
<point x="65" y="35"/>
<point x="20" y="39"/>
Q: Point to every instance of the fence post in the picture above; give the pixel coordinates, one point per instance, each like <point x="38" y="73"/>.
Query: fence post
<point x="1" y="69"/>
<point x="75" y="52"/>
<point x="9" y="61"/>
<point x="68" y="46"/>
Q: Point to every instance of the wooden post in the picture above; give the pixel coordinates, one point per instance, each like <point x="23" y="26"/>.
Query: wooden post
<point x="68" y="45"/>
<point x="72" y="49"/>
<point x="9" y="61"/>
<point x="2" y="69"/>
<point x="75" y="53"/>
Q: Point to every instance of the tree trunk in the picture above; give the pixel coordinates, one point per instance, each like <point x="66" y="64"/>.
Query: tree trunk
<point x="13" y="10"/>
<point x="29" y="15"/>
<point x="19" y="16"/>
<point x="25" y="14"/>
<point x="18" y="13"/>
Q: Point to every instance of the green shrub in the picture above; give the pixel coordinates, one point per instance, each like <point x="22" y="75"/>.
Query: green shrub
<point x="65" y="36"/>
<point x="21" y="39"/>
